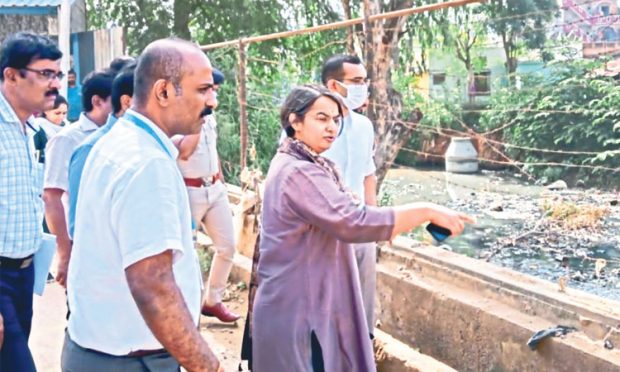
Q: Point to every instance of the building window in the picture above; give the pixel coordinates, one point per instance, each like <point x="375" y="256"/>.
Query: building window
<point x="605" y="10"/>
<point x="482" y="84"/>
<point x="439" y="79"/>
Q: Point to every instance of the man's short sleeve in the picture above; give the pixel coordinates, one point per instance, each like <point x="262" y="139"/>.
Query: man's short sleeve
<point x="57" y="156"/>
<point x="145" y="212"/>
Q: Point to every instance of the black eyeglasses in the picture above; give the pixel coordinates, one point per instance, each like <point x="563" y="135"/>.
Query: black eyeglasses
<point x="48" y="74"/>
<point x="358" y="81"/>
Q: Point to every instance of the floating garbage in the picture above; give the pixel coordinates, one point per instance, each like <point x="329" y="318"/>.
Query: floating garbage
<point x="556" y="331"/>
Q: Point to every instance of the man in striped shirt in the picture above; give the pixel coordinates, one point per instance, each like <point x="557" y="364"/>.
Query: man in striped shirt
<point x="29" y="81"/>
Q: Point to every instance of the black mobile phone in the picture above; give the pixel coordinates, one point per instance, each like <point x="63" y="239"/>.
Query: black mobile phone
<point x="439" y="233"/>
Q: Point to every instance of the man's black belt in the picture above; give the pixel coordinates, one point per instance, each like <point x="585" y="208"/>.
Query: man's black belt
<point x="15" y="263"/>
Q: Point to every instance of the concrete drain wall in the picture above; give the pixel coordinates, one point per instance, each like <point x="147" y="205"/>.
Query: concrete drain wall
<point x="475" y="316"/>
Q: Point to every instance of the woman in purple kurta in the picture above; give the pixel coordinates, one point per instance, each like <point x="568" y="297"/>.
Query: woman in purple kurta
<point x="308" y="313"/>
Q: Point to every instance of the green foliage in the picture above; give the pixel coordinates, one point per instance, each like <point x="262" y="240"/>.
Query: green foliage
<point x="386" y="198"/>
<point x="208" y="21"/>
<point x="438" y="114"/>
<point x="270" y="76"/>
<point x="205" y="257"/>
<point x="520" y="24"/>
<point x="570" y="108"/>
<point x="273" y="66"/>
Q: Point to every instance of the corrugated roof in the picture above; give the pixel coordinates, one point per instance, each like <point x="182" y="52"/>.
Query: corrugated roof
<point x="30" y="3"/>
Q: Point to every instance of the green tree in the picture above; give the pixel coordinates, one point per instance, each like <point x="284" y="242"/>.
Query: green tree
<point x="391" y="46"/>
<point x="571" y="109"/>
<point x="521" y="25"/>
<point x="464" y="35"/>
<point x="203" y="21"/>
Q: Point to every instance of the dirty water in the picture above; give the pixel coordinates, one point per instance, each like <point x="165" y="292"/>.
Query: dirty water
<point x="513" y="230"/>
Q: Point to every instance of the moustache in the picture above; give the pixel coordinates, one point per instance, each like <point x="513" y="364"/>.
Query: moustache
<point x="53" y="92"/>
<point x="206" y="111"/>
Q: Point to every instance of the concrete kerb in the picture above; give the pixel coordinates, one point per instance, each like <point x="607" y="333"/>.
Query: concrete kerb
<point x="476" y="316"/>
<point x="534" y="296"/>
<point x="394" y="356"/>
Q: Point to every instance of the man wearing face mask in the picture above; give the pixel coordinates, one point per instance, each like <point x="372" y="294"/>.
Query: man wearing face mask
<point x="208" y="198"/>
<point x="352" y="152"/>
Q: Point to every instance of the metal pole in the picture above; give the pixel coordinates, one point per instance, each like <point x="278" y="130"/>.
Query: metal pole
<point x="242" y="98"/>
<point x="348" y="23"/>
<point x="64" y="36"/>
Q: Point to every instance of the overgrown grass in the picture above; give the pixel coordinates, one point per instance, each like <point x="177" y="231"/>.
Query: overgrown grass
<point x="572" y="216"/>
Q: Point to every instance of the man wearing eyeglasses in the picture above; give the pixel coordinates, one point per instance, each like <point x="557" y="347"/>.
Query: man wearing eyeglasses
<point x="353" y="152"/>
<point x="29" y="82"/>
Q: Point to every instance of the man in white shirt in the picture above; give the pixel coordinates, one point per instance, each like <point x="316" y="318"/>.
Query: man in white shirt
<point x="134" y="281"/>
<point x="353" y="153"/>
<point x="96" y="100"/>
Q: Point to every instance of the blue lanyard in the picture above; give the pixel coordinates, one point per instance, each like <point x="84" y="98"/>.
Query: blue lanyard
<point x="141" y="124"/>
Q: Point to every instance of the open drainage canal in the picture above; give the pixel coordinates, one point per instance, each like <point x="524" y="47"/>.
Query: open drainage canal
<point x="568" y="236"/>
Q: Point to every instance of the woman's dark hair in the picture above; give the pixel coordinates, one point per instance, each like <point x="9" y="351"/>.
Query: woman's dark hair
<point x="60" y="100"/>
<point x="23" y="48"/>
<point x="299" y="102"/>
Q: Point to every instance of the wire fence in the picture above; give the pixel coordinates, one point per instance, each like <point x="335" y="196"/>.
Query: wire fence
<point x="260" y="96"/>
<point x="272" y="69"/>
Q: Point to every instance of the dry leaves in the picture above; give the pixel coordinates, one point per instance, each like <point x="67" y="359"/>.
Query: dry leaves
<point x="562" y="283"/>
<point x="572" y="216"/>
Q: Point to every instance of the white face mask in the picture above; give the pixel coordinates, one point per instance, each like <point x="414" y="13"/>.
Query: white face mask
<point x="356" y="95"/>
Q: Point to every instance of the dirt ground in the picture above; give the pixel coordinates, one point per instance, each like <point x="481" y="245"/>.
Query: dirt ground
<point x="225" y="337"/>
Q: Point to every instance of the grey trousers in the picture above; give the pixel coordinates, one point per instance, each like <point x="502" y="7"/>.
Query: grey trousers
<point x="77" y="359"/>
<point x="366" y="257"/>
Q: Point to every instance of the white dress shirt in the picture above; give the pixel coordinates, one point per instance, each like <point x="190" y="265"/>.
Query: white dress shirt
<point x="353" y="152"/>
<point x="48" y="127"/>
<point x="58" y="155"/>
<point x="204" y="161"/>
<point x="132" y="205"/>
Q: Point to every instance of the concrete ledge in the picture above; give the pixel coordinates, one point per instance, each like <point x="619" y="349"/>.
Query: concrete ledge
<point x="592" y="314"/>
<point x="476" y="316"/>
<point x="394" y="356"/>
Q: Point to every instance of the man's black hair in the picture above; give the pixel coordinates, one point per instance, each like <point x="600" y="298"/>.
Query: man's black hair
<point x="218" y="77"/>
<point x="119" y="63"/>
<point x="97" y="83"/>
<point x="122" y="85"/>
<point x="333" y="66"/>
<point x="21" y="49"/>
